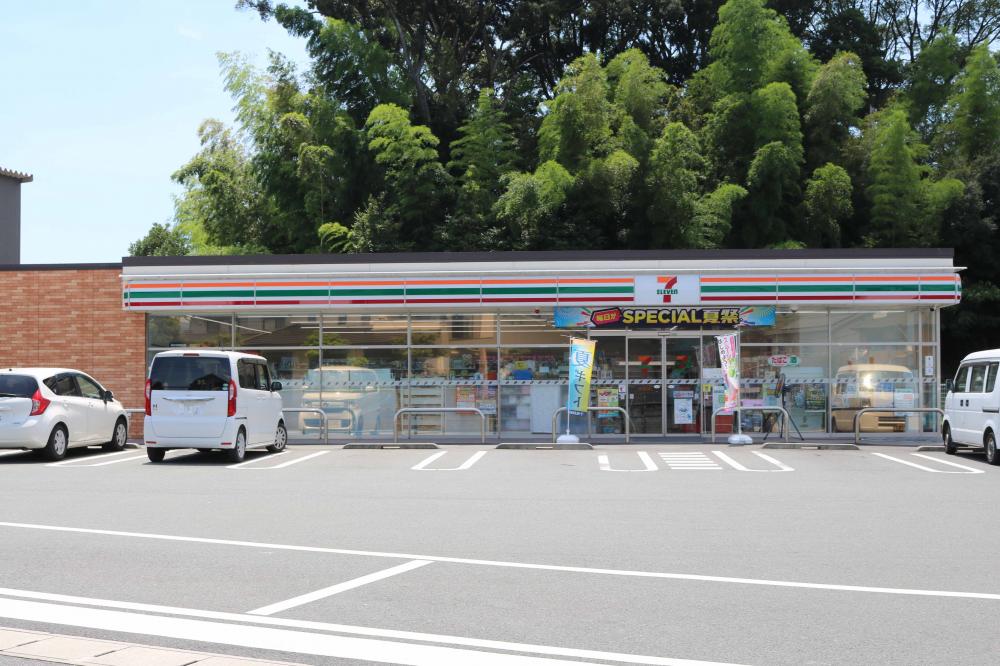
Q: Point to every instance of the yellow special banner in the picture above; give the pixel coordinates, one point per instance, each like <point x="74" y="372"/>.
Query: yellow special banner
<point x="581" y="365"/>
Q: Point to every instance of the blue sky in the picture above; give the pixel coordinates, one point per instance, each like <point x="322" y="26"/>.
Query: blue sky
<point x="101" y="99"/>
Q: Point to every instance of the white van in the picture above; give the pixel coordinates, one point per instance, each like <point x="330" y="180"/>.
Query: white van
<point x="212" y="400"/>
<point x="972" y="406"/>
<point x="863" y="385"/>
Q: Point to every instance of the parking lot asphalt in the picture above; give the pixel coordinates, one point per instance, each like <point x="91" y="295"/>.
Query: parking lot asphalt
<point x="651" y="554"/>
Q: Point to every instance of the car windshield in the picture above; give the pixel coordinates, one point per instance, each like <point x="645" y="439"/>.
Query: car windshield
<point x="189" y="373"/>
<point x="17" y="386"/>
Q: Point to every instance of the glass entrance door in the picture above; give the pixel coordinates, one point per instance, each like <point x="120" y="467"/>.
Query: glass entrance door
<point x="645" y="385"/>
<point x="660" y="378"/>
<point x="682" y="368"/>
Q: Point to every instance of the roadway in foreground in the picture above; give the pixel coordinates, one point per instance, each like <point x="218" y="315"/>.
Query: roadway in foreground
<point x="654" y="554"/>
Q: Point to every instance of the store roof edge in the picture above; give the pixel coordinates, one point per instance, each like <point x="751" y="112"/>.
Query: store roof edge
<point x="534" y="256"/>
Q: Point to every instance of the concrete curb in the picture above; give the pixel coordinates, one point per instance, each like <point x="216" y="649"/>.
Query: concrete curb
<point x="931" y="447"/>
<point x="65" y="649"/>
<point x="809" y="445"/>
<point x="548" y="447"/>
<point x="388" y="445"/>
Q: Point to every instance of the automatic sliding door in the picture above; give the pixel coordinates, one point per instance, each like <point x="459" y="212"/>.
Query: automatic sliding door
<point x="645" y="389"/>
<point x="683" y="385"/>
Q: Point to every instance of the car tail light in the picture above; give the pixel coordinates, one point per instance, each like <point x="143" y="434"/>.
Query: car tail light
<point x="232" y="398"/>
<point x="149" y="398"/>
<point x="38" y="403"/>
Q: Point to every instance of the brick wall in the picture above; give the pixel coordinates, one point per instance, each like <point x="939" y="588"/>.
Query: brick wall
<point x="74" y="319"/>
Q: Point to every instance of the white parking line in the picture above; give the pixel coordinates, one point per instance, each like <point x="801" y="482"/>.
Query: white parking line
<point x="297" y="460"/>
<point x="12" y="452"/>
<point x="422" y="465"/>
<point x="70" y="461"/>
<point x="286" y="635"/>
<point x="514" y="565"/>
<point x="646" y="459"/>
<point x="114" y="462"/>
<point x="971" y="470"/>
<point x="688" y="460"/>
<point x="310" y="597"/>
<point x="256" y="459"/>
<point x="782" y="467"/>
<point x="929" y="469"/>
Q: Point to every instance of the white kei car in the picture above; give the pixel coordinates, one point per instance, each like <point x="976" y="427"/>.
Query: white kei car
<point x="212" y="400"/>
<point x="55" y="409"/>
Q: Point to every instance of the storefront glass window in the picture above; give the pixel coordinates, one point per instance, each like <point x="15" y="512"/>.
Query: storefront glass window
<point x="524" y="329"/>
<point x="795" y="327"/>
<point x="875" y="326"/>
<point x="454" y="329"/>
<point x="875" y="376"/>
<point x="364" y="329"/>
<point x="360" y="389"/>
<point x="528" y="408"/>
<point x="296" y="331"/>
<point x="293" y="368"/>
<point x="789" y="376"/>
<point x="463" y="377"/>
<point x="202" y="330"/>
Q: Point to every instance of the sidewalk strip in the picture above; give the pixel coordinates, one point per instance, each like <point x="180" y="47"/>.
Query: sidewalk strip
<point x="285" y="635"/>
<point x="303" y="599"/>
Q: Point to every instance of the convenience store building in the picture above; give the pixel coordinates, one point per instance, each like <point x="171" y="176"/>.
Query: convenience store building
<point x="822" y="333"/>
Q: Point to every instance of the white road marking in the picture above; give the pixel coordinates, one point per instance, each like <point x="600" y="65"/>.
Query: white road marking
<point x="114" y="462"/>
<point x="70" y="461"/>
<point x="646" y="459"/>
<point x="512" y="565"/>
<point x="422" y="465"/>
<point x="782" y="467"/>
<point x="310" y="597"/>
<point x="971" y="470"/>
<point x="256" y="459"/>
<point x="294" y="461"/>
<point x="255" y="631"/>
<point x="928" y="469"/>
<point x="688" y="460"/>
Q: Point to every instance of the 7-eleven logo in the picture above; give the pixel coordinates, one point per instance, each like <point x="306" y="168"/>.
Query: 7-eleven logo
<point x="667" y="286"/>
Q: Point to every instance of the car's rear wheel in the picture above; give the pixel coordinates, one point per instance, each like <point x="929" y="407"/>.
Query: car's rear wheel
<point x="156" y="455"/>
<point x="991" y="449"/>
<point x="119" y="438"/>
<point x="280" y="439"/>
<point x="239" y="451"/>
<point x="949" y="443"/>
<point x="55" y="448"/>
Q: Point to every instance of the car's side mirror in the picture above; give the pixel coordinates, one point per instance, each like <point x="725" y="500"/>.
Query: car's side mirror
<point x="108" y="395"/>
<point x="949" y="384"/>
<point x="275" y="386"/>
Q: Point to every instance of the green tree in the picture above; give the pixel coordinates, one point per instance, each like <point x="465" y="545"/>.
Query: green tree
<point x="713" y="214"/>
<point x="223" y="207"/>
<point x="417" y="187"/>
<point x="161" y="241"/>
<point x="837" y="95"/>
<point x="827" y="203"/>
<point x="975" y="106"/>
<point x="931" y="77"/>
<point x="530" y="207"/>
<point x="577" y="127"/>
<point x="676" y="176"/>
<point x="482" y="154"/>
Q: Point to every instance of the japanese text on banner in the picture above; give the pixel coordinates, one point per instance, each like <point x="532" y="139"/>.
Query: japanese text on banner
<point x="581" y="364"/>
<point x="729" y="361"/>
